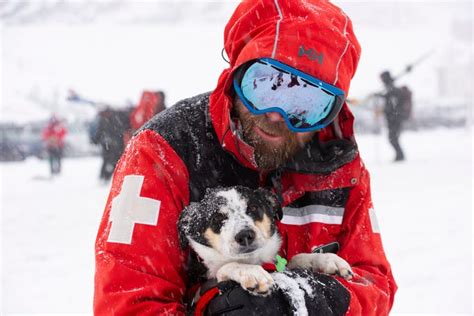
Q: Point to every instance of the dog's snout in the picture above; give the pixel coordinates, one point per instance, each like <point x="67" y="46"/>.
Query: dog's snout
<point x="245" y="237"/>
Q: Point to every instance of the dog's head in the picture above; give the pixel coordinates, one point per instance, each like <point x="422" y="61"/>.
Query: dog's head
<point x="235" y="222"/>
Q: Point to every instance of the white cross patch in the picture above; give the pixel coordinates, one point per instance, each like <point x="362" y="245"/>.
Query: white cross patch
<point x="129" y="208"/>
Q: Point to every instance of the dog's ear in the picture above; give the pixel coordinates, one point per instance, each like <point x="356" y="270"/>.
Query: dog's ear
<point x="183" y="240"/>
<point x="274" y="201"/>
<point x="184" y="222"/>
<point x="212" y="190"/>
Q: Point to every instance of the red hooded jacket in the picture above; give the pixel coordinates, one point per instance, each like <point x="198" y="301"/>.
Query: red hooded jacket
<point x="53" y="134"/>
<point x="140" y="268"/>
<point x="150" y="104"/>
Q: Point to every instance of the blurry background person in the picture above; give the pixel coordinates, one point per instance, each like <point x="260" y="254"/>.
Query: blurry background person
<point x="151" y="103"/>
<point x="397" y="109"/>
<point x="108" y="132"/>
<point x="112" y="128"/>
<point x="53" y="135"/>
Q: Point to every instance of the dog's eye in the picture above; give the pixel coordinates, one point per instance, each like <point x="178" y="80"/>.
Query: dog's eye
<point x="217" y="221"/>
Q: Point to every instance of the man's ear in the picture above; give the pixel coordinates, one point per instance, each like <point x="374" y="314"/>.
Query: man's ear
<point x="275" y="204"/>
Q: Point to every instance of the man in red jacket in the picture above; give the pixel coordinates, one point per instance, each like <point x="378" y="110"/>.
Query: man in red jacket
<point x="277" y="119"/>
<point x="53" y="136"/>
<point x="151" y="103"/>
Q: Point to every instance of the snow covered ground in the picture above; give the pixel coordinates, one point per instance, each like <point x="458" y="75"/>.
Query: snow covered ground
<point x="424" y="209"/>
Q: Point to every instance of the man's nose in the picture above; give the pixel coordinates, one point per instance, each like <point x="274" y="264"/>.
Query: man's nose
<point x="274" y="117"/>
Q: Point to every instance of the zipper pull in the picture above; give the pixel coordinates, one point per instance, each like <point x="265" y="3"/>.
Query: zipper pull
<point x="276" y="182"/>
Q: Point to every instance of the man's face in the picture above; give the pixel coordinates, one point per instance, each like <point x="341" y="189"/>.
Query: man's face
<point x="273" y="142"/>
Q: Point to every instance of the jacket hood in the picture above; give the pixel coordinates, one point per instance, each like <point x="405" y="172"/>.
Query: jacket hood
<point x="313" y="36"/>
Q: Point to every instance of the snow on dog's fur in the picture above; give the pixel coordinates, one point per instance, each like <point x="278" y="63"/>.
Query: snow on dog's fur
<point x="233" y="231"/>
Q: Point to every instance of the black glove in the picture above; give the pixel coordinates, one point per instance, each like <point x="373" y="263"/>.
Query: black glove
<point x="235" y="301"/>
<point x="328" y="297"/>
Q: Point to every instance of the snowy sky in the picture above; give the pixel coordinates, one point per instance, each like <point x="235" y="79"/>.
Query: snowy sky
<point x="111" y="53"/>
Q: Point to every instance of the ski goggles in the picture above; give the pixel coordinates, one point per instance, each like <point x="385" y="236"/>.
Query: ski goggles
<point x="305" y="102"/>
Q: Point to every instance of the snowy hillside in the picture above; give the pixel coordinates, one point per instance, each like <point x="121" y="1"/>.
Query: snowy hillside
<point x="423" y="207"/>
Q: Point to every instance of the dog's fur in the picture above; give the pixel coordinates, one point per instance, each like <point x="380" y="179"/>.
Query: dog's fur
<point x="233" y="231"/>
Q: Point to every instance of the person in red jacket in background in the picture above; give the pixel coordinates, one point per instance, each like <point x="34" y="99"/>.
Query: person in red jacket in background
<point x="277" y="119"/>
<point x="53" y="136"/>
<point x="151" y="103"/>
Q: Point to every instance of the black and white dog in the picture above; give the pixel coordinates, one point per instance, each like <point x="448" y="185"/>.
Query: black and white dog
<point x="233" y="232"/>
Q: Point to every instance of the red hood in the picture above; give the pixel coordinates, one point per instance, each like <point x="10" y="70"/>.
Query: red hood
<point x="313" y="36"/>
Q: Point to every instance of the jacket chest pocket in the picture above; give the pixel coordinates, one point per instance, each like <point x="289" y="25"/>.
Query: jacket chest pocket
<point x="313" y="220"/>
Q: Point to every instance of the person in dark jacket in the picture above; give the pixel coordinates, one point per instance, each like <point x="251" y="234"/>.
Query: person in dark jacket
<point x="111" y="125"/>
<point x="395" y="110"/>
<point x="295" y="139"/>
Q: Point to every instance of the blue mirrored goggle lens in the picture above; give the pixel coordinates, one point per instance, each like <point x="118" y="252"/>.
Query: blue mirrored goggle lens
<point x="268" y="87"/>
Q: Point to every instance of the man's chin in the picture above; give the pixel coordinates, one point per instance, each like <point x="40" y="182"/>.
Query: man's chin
<point x="270" y="159"/>
<point x="272" y="155"/>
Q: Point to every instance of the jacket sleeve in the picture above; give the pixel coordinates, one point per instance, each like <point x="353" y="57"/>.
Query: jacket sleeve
<point x="139" y="264"/>
<point x="373" y="287"/>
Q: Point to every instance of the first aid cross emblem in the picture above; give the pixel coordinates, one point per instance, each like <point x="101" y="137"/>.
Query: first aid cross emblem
<point x="129" y="208"/>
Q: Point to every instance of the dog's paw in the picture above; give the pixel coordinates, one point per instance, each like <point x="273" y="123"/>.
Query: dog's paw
<point x="256" y="280"/>
<point x="252" y="278"/>
<point x="330" y="263"/>
<point x="327" y="263"/>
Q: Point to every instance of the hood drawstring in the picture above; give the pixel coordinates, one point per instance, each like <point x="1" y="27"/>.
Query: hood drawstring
<point x="276" y="182"/>
<point x="224" y="57"/>
<point x="337" y="128"/>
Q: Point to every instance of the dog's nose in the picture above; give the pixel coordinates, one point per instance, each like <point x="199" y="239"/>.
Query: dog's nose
<point x="245" y="237"/>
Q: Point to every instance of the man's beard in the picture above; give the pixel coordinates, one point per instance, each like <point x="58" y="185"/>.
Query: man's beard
<point x="268" y="156"/>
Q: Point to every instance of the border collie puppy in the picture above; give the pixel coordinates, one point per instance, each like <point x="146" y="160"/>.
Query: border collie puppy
<point x="233" y="232"/>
